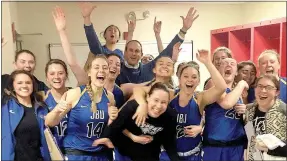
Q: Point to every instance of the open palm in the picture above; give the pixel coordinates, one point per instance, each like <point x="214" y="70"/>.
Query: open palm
<point x="86" y="8"/>
<point x="203" y="56"/>
<point x="189" y="19"/>
<point x="59" y="18"/>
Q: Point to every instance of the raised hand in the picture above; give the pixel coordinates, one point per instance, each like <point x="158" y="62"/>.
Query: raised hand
<point x="203" y="56"/>
<point x="244" y="84"/>
<point x="131" y="25"/>
<point x="59" y="18"/>
<point x="142" y="139"/>
<point x="113" y="112"/>
<point x="140" y="115"/>
<point x="156" y="27"/>
<point x="104" y="141"/>
<point x="192" y="130"/>
<point x="175" y="51"/>
<point x="189" y="19"/>
<point x="86" y="8"/>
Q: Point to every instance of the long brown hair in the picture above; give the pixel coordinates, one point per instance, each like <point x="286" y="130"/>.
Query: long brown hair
<point x="9" y="91"/>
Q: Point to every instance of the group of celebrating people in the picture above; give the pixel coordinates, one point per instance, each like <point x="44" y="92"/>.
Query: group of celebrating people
<point x="127" y="108"/>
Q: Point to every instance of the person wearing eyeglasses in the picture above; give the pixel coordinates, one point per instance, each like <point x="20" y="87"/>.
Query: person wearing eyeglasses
<point x="268" y="116"/>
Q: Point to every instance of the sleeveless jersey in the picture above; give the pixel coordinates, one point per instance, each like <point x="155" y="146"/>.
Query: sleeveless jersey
<point x="188" y="115"/>
<point x="84" y="126"/>
<point x="59" y="130"/>
<point x="222" y="125"/>
<point x="119" y="96"/>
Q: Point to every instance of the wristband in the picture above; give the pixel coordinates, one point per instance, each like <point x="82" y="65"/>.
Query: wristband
<point x="184" y="32"/>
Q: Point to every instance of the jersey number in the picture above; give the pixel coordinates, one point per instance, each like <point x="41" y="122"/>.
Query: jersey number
<point x="61" y="128"/>
<point x="94" y="130"/>
<point x="232" y="114"/>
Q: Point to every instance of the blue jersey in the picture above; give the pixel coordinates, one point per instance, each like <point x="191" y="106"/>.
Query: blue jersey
<point x="119" y="96"/>
<point x="186" y="116"/>
<point x="283" y="88"/>
<point x="84" y="126"/>
<point x="221" y="124"/>
<point x="58" y="130"/>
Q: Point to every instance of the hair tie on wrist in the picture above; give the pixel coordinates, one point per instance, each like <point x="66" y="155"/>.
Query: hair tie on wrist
<point x="184" y="32"/>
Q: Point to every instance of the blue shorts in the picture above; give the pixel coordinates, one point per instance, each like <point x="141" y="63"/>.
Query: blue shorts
<point x="196" y="157"/>
<point x="119" y="157"/>
<point x="235" y="153"/>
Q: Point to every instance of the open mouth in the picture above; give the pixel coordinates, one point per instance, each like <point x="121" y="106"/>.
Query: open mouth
<point x="269" y="71"/>
<point x="112" y="72"/>
<point x="263" y="97"/>
<point x="24" y="89"/>
<point x="56" y="81"/>
<point x="156" y="111"/>
<point x="101" y="78"/>
<point x="112" y="36"/>
<point x="227" y="72"/>
<point x="189" y="86"/>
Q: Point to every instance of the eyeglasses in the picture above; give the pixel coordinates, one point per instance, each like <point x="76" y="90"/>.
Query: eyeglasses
<point x="267" y="88"/>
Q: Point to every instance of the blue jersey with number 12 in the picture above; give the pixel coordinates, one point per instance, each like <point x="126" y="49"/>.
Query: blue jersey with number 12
<point x="59" y="130"/>
<point x="84" y="126"/>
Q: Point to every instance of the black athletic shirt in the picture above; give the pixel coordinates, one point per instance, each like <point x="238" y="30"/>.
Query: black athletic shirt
<point x="28" y="137"/>
<point x="260" y="128"/>
<point x="162" y="129"/>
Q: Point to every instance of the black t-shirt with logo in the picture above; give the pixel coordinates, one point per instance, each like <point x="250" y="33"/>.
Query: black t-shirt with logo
<point x="162" y="129"/>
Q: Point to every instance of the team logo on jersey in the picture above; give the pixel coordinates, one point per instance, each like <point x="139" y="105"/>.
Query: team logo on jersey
<point x="83" y="106"/>
<point x="150" y="129"/>
<point x="180" y="131"/>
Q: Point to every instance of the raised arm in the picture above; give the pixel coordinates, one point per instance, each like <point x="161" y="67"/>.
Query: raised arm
<point x="157" y="29"/>
<point x="93" y="40"/>
<point x="60" y="22"/>
<point x="212" y="94"/>
<point x="227" y="101"/>
<point x="131" y="29"/>
<point x="187" y="23"/>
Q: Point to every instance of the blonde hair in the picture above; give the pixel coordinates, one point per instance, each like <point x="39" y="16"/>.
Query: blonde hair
<point x="88" y="85"/>
<point x="269" y="51"/>
<point x="224" y="49"/>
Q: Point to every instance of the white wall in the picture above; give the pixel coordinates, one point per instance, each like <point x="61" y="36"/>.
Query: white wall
<point x="260" y="11"/>
<point x="36" y="17"/>
<point x="9" y="15"/>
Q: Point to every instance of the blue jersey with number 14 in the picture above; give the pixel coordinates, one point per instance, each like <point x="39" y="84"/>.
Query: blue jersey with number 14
<point x="221" y="124"/>
<point x="59" y="130"/>
<point x="84" y="126"/>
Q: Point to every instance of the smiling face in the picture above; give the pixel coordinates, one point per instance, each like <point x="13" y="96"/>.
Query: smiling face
<point x="112" y="34"/>
<point x="189" y="79"/>
<point x="98" y="72"/>
<point x="23" y="85"/>
<point x="157" y="102"/>
<point x="114" y="67"/>
<point x="25" y="61"/>
<point x="266" y="92"/>
<point x="269" y="64"/>
<point x="247" y="73"/>
<point x="228" y="69"/>
<point x="164" y="67"/>
<point x="133" y="53"/>
<point x="56" y="76"/>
